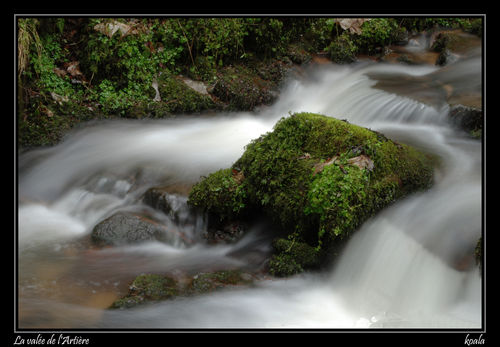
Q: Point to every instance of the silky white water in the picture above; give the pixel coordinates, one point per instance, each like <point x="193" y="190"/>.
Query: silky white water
<point x="399" y="270"/>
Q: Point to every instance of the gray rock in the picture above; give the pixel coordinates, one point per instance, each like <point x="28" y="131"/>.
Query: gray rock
<point x="171" y="204"/>
<point x="124" y="228"/>
<point x="468" y="118"/>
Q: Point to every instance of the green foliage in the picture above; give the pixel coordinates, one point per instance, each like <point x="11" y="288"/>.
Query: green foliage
<point x="115" y="101"/>
<point x="469" y="24"/>
<point x="342" y="49"/>
<point x="270" y="37"/>
<point x="218" y="39"/>
<point x="321" y="31"/>
<point x="284" y="265"/>
<point x="266" y="35"/>
<point x="335" y="196"/>
<point x="117" y="71"/>
<point x="124" y="66"/>
<point x="44" y="57"/>
<point x="376" y="32"/>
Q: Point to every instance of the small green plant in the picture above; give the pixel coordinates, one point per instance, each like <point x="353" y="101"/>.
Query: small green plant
<point x="377" y="32"/>
<point x="335" y="195"/>
<point x="342" y="49"/>
<point x="284" y="265"/>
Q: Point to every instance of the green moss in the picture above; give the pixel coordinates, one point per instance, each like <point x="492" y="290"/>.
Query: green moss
<point x="208" y="282"/>
<point x="342" y="49"/>
<point x="45" y="122"/>
<point x="318" y="178"/>
<point x="221" y="194"/>
<point x="337" y="195"/>
<point x="284" y="265"/>
<point x="148" y="288"/>
<point x="291" y="257"/>
<point x="178" y="98"/>
<point x="242" y="88"/>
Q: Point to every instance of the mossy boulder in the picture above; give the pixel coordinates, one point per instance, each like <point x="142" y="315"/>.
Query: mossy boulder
<point x="212" y="281"/>
<point x="467" y="118"/>
<point x="174" y="97"/>
<point x="292" y="256"/>
<point x="150" y="288"/>
<point x="318" y="178"/>
<point x="221" y="194"/>
<point x="242" y="88"/>
<point x="449" y="43"/>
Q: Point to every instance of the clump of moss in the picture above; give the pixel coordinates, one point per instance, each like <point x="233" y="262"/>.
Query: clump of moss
<point x="148" y="288"/>
<point x="221" y="194"/>
<point x="242" y="88"/>
<point x="210" y="281"/>
<point x="342" y="49"/>
<point x="292" y="257"/>
<point x="318" y="178"/>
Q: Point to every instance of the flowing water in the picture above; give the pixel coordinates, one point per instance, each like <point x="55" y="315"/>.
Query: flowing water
<point x="406" y="267"/>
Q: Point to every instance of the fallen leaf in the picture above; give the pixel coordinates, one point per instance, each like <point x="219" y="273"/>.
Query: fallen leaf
<point x="110" y="28"/>
<point x="352" y="24"/>
<point x="73" y="69"/>
<point x="60" y="72"/>
<point x="362" y="161"/>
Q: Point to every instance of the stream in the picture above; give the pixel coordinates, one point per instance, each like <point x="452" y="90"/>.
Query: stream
<point x="399" y="270"/>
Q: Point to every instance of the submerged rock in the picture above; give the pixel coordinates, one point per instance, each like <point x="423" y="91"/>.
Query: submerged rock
<point x="124" y="228"/>
<point x="453" y="43"/>
<point x="150" y="288"/>
<point x="318" y="178"/>
<point x="467" y="118"/>
<point x="147" y="288"/>
<point x="172" y="204"/>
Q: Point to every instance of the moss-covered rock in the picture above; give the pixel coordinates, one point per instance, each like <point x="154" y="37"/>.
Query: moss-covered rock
<point x="221" y="194"/>
<point x="45" y="121"/>
<point x="174" y="97"/>
<point x="291" y="257"/>
<point x="318" y="178"/>
<point x="211" y="281"/>
<point x="467" y="118"/>
<point x="449" y="43"/>
<point x="242" y="88"/>
<point x="148" y="288"/>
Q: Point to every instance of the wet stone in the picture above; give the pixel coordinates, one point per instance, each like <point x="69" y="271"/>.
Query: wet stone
<point x="126" y="228"/>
